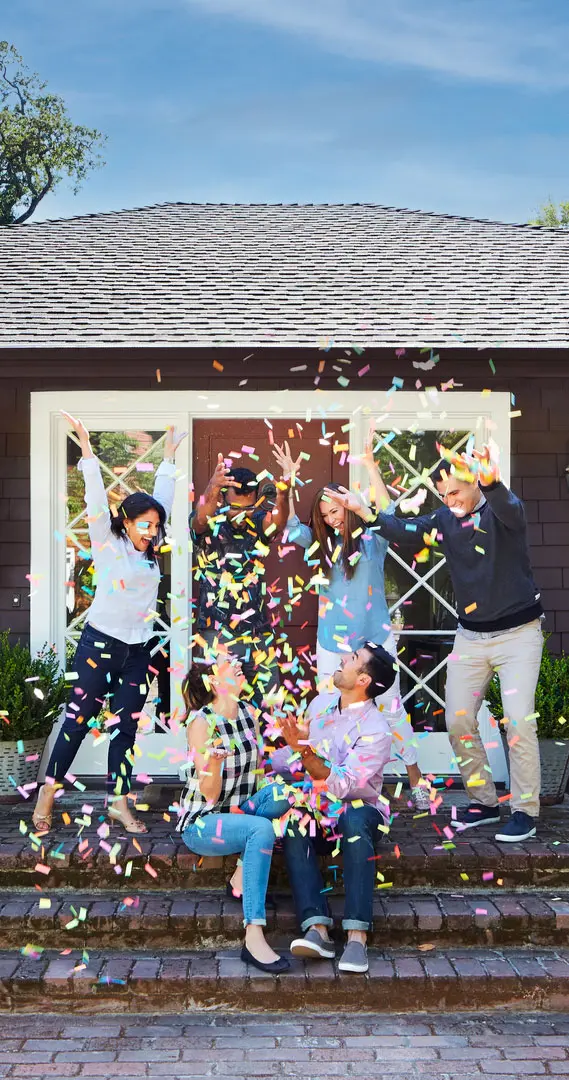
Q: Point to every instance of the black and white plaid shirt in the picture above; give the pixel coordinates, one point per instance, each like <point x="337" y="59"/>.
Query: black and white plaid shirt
<point x="239" y="770"/>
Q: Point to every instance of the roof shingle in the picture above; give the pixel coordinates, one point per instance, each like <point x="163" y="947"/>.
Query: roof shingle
<point x="282" y="275"/>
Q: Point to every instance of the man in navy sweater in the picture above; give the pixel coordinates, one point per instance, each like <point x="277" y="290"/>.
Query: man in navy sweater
<point x="482" y="530"/>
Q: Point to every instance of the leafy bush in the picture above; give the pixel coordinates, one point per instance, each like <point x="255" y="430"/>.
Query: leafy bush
<point x="551" y="697"/>
<point x="28" y="710"/>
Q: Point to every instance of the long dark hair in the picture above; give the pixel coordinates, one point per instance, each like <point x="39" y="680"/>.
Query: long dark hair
<point x="135" y="506"/>
<point x="328" y="540"/>
<point x="197" y="690"/>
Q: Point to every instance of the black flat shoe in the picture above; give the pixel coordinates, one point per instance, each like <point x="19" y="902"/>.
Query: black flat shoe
<point x="278" y="967"/>
<point x="270" y="901"/>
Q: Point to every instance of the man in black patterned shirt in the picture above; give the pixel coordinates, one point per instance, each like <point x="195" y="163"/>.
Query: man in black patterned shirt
<point x="231" y="533"/>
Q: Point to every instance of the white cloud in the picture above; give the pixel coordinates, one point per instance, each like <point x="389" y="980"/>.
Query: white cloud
<point x="512" y="41"/>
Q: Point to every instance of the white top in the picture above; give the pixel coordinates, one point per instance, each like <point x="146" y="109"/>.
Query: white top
<point x="126" y="582"/>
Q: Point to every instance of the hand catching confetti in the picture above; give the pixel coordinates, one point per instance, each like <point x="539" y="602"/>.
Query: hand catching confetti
<point x="294" y="733"/>
<point x="481" y="466"/>
<point x="288" y="467"/>
<point x="488" y="466"/>
<point x="222" y="476"/>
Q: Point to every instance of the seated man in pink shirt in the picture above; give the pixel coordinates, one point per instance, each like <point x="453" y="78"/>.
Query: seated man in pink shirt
<point x="345" y="745"/>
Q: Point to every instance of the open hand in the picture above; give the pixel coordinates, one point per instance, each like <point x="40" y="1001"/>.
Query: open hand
<point x="479" y="466"/>
<point x="222" y="476"/>
<point x="345" y="498"/>
<point x="488" y="467"/>
<point x="172" y="441"/>
<point x="294" y="733"/>
<point x="288" y="467"/>
<point x="367" y="458"/>
<point x="79" y="429"/>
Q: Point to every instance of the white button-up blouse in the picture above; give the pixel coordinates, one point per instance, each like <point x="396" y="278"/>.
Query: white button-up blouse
<point x="126" y="581"/>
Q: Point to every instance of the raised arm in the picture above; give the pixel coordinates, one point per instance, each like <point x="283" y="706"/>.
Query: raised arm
<point x="505" y="505"/>
<point x="398" y="530"/>
<point x="284" y="507"/>
<point x="165" y="480"/>
<point x="96" y="502"/>
<point x="378" y="493"/>
<point x="275" y="520"/>
<point x="208" y="502"/>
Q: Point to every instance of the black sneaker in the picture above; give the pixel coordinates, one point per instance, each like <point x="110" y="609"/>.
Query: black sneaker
<point x="475" y="814"/>
<point x="520" y="827"/>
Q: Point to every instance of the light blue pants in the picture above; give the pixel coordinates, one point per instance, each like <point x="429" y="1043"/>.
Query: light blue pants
<point x="251" y="834"/>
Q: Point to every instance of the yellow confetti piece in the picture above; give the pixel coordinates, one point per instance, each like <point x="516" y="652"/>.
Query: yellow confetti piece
<point x="471" y="607"/>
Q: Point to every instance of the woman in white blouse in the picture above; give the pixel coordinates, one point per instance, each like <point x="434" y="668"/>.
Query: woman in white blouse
<point x="113" y="654"/>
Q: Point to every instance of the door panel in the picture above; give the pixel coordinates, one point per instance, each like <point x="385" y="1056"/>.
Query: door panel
<point x="228" y="437"/>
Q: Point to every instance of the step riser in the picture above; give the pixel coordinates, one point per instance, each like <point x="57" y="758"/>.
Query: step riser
<point x="207" y="939"/>
<point x="349" y="994"/>
<point x="512" y="872"/>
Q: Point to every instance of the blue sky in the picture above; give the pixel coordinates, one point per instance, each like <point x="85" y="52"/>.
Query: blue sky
<point x="457" y="106"/>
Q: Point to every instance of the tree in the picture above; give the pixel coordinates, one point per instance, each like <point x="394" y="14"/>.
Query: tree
<point x="39" y="144"/>
<point x="554" y="217"/>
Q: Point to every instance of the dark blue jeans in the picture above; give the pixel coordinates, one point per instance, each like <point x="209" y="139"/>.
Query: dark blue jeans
<point x="118" y="673"/>
<point x="359" y="868"/>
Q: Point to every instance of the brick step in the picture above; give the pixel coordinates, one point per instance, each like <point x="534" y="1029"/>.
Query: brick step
<point x="446" y="979"/>
<point x="162" y="862"/>
<point x="201" y="921"/>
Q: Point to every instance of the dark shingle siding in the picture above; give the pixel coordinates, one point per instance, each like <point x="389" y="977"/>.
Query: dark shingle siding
<point x="205" y="275"/>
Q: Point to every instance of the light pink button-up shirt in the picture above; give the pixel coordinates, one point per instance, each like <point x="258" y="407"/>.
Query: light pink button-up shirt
<point x="356" y="743"/>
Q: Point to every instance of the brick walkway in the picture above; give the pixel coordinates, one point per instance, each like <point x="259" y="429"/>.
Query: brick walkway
<point x="446" y="1047"/>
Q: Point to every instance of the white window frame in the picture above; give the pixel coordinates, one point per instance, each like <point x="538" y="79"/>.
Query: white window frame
<point x="485" y="413"/>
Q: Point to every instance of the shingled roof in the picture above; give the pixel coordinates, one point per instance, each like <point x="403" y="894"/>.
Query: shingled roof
<point x="207" y="275"/>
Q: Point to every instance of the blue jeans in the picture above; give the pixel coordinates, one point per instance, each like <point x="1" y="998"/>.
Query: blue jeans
<point x="119" y="672"/>
<point x="252" y="835"/>
<point x="301" y="852"/>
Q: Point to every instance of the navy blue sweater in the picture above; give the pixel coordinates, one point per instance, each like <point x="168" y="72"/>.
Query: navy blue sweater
<point x="487" y="555"/>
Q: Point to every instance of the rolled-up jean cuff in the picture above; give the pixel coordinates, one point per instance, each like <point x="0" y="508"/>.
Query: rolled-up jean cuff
<point x="254" y="922"/>
<point x="355" y="924"/>
<point x="316" y="920"/>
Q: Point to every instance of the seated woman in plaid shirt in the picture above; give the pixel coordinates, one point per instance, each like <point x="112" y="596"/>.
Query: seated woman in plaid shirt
<point x="220" y="813"/>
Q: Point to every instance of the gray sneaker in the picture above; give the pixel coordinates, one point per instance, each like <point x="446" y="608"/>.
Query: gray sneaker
<point x="313" y="946"/>
<point x="354" y="958"/>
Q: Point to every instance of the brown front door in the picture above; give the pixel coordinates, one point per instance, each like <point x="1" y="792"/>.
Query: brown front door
<point x="211" y="437"/>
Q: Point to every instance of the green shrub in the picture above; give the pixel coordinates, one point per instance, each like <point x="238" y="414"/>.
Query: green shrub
<point x="551" y="697"/>
<point x="23" y="713"/>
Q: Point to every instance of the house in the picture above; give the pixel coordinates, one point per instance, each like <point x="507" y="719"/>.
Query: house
<point x="244" y="324"/>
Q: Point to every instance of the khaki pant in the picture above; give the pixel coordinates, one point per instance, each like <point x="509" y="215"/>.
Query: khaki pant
<point x="516" y="656"/>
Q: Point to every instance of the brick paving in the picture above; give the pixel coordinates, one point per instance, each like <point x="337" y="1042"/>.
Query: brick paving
<point x="416" y="853"/>
<point x="441" y="1046"/>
